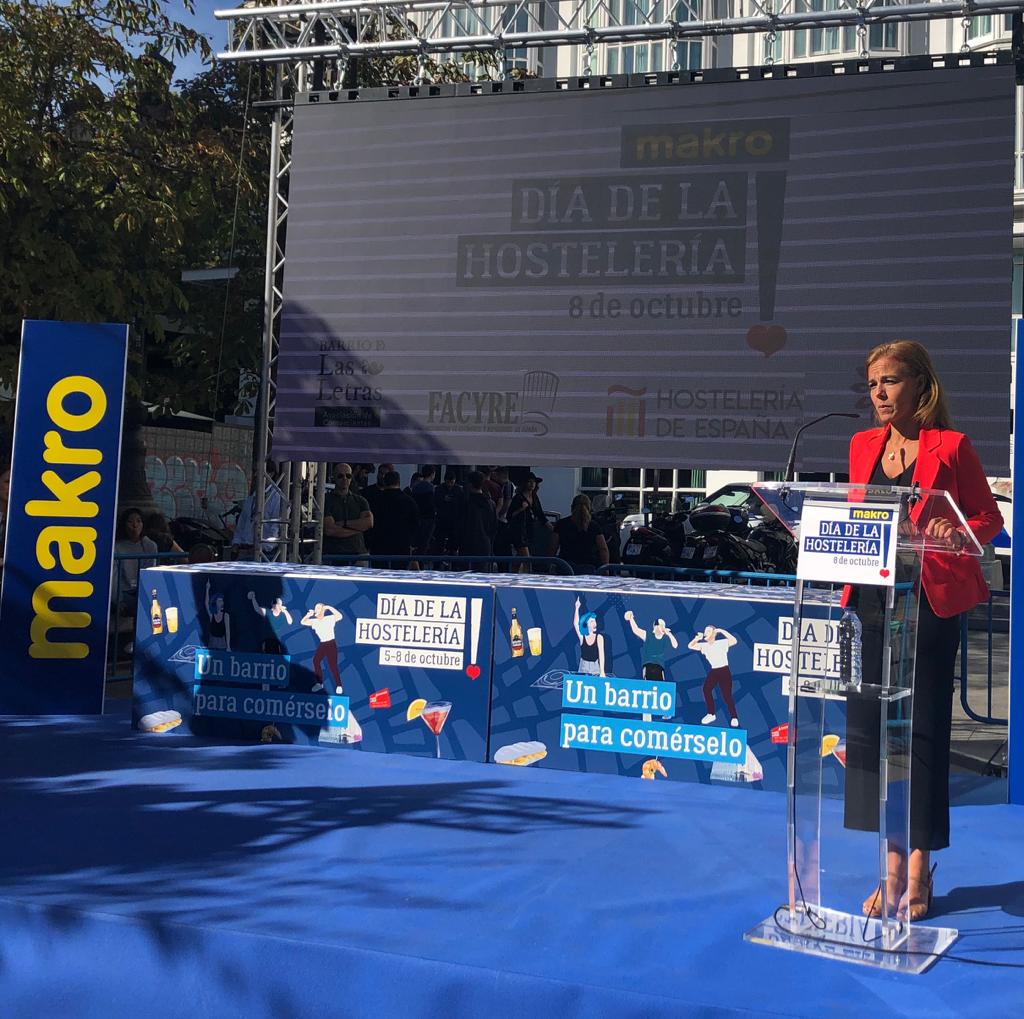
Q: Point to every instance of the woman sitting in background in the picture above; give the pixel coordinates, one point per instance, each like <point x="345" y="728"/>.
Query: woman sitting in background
<point x="131" y="542"/>
<point x="158" y="531"/>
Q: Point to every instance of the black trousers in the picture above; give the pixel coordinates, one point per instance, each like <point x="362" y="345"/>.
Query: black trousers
<point x="937" y="643"/>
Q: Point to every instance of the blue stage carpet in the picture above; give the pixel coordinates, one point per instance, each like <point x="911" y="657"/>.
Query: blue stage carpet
<point x="150" y="876"/>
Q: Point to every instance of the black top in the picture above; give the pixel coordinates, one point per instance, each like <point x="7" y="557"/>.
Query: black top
<point x="479" y="525"/>
<point x="449" y="504"/>
<point x="576" y="546"/>
<point x="395" y="523"/>
<point x="904" y="480"/>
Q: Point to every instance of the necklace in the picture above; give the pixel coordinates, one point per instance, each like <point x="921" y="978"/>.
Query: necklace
<point x="893" y="452"/>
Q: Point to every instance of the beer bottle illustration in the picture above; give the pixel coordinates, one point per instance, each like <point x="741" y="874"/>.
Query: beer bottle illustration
<point x="156" y="615"/>
<point x="515" y="636"/>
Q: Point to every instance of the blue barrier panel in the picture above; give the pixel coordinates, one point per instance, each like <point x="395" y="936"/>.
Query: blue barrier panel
<point x="564" y="700"/>
<point x="324" y="655"/>
<point x="55" y="602"/>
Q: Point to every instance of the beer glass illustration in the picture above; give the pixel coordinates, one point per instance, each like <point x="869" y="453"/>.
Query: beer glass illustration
<point x="434" y="715"/>
<point x="535" y="637"/>
<point x="171" y="616"/>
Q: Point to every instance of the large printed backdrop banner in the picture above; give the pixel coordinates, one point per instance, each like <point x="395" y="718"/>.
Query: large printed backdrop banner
<point x="665" y="274"/>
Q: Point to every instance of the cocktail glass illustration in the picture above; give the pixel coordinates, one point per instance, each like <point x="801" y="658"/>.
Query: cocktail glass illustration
<point x="434" y="715"/>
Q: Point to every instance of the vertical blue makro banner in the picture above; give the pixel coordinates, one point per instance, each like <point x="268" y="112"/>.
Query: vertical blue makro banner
<point x="55" y="601"/>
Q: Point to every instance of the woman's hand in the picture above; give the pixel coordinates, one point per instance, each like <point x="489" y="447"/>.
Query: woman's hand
<point x="946" y="532"/>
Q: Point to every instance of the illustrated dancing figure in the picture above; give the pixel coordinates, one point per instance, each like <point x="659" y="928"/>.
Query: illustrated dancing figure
<point x="322" y="619"/>
<point x="278" y="617"/>
<point x="653" y="655"/>
<point x="716" y="651"/>
<point x="591" y="642"/>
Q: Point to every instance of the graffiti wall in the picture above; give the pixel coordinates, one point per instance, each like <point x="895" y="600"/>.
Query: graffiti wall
<point x="185" y="468"/>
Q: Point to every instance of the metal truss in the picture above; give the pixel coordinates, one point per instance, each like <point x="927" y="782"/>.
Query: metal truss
<point x="287" y="79"/>
<point x="301" y="30"/>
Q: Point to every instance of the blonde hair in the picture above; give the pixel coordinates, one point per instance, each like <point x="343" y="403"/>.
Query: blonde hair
<point x="580" y="511"/>
<point x="932" y="409"/>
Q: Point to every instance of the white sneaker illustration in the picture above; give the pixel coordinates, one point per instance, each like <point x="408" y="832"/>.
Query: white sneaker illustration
<point x="708" y="718"/>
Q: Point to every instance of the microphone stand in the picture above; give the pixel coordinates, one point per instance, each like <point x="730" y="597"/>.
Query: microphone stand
<point x="791" y="462"/>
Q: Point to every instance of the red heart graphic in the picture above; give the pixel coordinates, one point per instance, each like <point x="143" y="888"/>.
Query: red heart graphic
<point x="884" y="573"/>
<point x="473" y="671"/>
<point x="766" y="339"/>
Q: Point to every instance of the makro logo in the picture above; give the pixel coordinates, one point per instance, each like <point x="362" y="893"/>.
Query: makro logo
<point x="870" y="514"/>
<point x="711" y="142"/>
<point x="67" y="548"/>
<point x="626" y="416"/>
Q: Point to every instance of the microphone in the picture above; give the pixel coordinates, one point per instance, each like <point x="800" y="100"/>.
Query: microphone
<point x="791" y="462"/>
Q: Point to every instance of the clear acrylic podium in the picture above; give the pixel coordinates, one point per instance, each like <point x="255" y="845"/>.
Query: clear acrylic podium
<point x="831" y="869"/>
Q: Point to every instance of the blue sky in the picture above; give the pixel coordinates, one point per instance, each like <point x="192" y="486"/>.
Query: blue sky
<point x="203" y="21"/>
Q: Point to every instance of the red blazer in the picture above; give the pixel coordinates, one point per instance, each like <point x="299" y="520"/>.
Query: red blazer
<point x="947" y="461"/>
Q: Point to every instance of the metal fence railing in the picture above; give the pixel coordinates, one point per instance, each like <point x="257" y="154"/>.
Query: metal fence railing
<point x="988" y="718"/>
<point x="653" y="572"/>
<point x="456" y="563"/>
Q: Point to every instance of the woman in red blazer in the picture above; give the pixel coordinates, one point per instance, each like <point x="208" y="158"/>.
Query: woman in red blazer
<point x="915" y="443"/>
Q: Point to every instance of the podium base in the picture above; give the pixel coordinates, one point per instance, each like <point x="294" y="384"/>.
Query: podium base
<point x="901" y="948"/>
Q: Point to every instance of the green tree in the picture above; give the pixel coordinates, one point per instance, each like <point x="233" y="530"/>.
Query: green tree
<point x="113" y="179"/>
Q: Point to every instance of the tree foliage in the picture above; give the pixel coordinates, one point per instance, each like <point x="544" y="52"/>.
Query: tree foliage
<point x="114" y="179"/>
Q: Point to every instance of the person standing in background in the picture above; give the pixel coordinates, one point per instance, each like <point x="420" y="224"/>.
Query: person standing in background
<point x="243" y="538"/>
<point x="481" y="520"/>
<point x="361" y="477"/>
<point x="491" y="487"/>
<point x="450" y="505"/>
<point x="507" y="491"/>
<point x="370" y="492"/>
<point x="347" y="516"/>
<point x="422" y="492"/>
<point x="521" y="519"/>
<point x="395" y="519"/>
<point x="578" y="540"/>
<point x="503" y="537"/>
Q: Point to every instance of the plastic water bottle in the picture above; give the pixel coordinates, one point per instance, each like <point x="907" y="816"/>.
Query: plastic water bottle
<point x="850" y="671"/>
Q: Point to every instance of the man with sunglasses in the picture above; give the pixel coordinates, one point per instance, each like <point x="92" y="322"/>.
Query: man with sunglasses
<point x="347" y="516"/>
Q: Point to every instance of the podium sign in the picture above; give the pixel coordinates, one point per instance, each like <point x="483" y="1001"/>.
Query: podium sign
<point x="873" y="537"/>
<point x="848" y="544"/>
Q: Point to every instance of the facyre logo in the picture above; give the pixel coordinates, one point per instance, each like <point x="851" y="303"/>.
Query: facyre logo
<point x="527" y="409"/>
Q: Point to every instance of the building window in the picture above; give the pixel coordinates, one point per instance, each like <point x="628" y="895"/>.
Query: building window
<point x="525" y="19"/>
<point x="841" y="41"/>
<point x="989" y="27"/>
<point x="633" y="489"/>
<point x="645" y="57"/>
